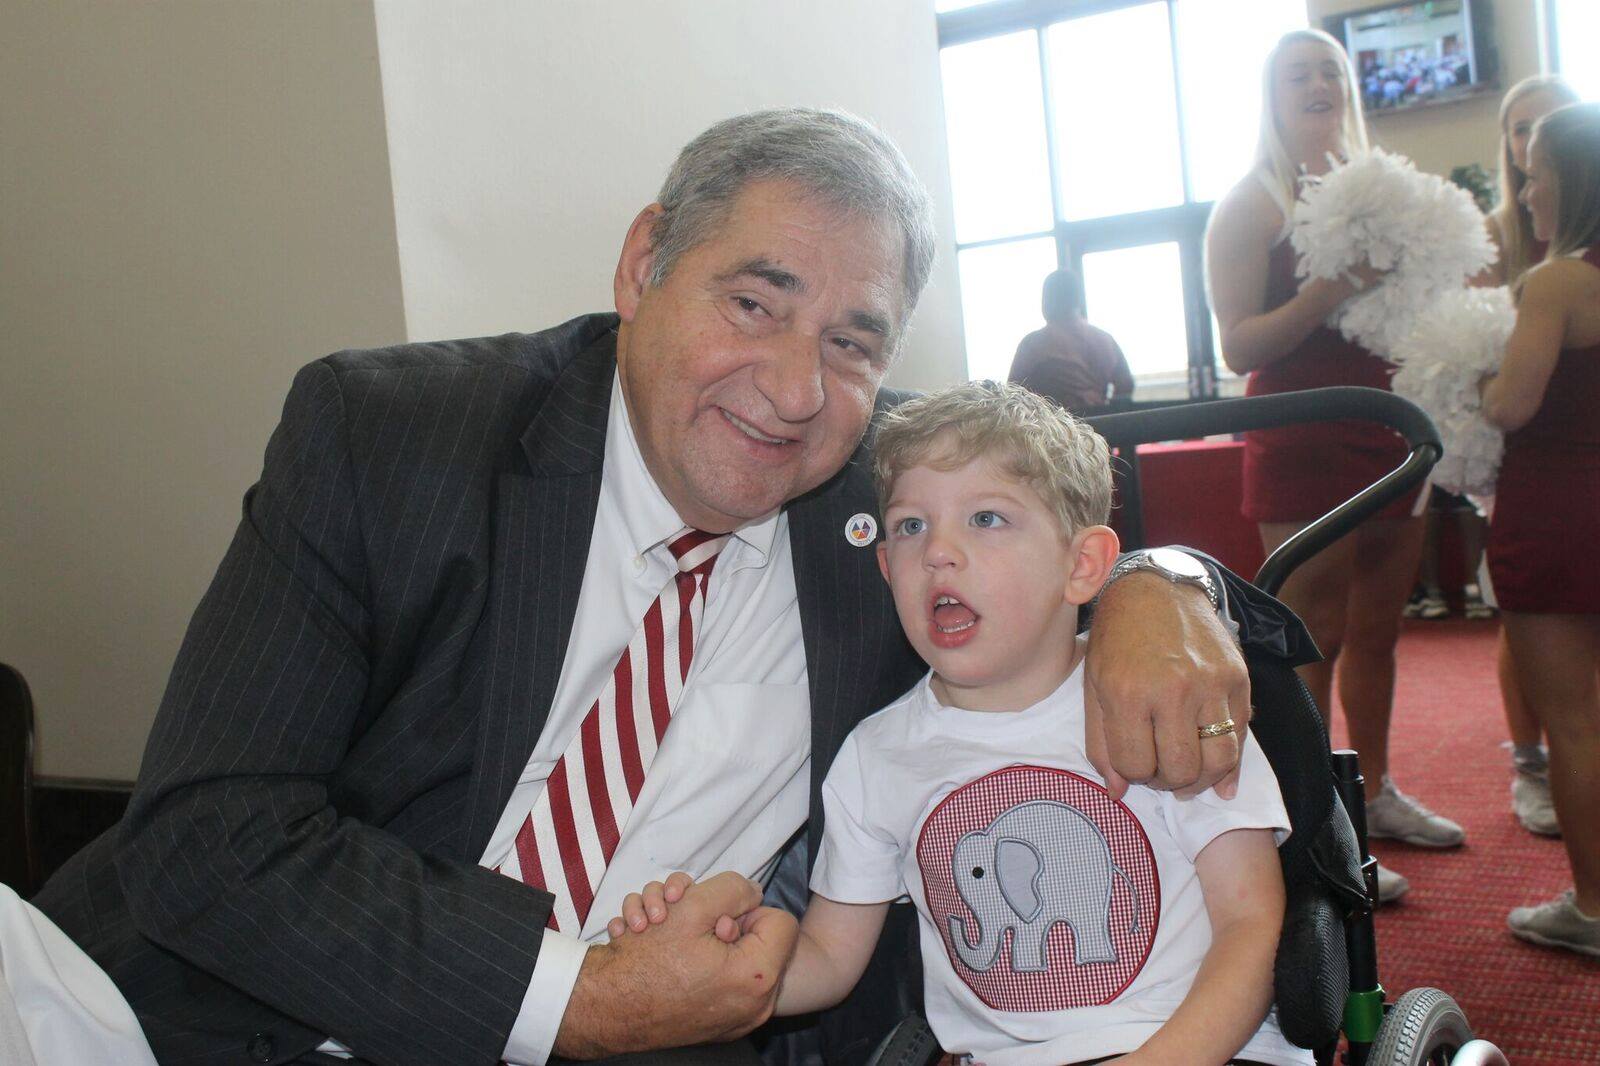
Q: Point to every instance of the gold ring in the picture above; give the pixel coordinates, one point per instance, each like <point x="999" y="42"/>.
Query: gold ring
<point x="1217" y="729"/>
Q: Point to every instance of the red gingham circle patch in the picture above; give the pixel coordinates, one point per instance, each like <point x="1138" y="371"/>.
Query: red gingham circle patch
<point x="1043" y="887"/>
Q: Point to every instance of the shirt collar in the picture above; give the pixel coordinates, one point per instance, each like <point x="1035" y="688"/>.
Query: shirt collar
<point x="647" y="516"/>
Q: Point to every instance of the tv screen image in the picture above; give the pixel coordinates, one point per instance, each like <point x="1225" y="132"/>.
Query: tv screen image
<point x="1412" y="53"/>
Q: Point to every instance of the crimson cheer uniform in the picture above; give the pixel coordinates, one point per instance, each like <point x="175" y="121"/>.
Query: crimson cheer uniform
<point x="1298" y="473"/>
<point x="1547" y="501"/>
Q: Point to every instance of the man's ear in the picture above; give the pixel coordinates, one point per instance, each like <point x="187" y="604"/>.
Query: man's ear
<point x="636" y="262"/>
<point x="1093" y="552"/>
<point x="883" y="563"/>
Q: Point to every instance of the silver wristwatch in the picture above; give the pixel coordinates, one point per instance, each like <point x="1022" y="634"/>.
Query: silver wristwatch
<point x="1174" y="565"/>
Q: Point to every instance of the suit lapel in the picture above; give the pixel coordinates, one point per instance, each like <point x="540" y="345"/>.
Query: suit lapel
<point x="544" y="520"/>
<point x="847" y="618"/>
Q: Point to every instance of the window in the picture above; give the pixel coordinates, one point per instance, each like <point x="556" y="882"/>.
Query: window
<point x="994" y="119"/>
<point x="1574" y="24"/>
<point x="1096" y="134"/>
<point x="1137" y="296"/>
<point x="1000" y="288"/>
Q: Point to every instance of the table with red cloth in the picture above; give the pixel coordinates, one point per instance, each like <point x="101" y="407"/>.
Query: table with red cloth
<point x="1190" y="495"/>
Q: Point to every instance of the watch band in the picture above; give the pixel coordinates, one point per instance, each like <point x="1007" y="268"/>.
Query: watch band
<point x="1144" y="559"/>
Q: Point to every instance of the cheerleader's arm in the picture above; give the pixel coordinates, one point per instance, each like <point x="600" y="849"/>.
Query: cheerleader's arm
<point x="1511" y="397"/>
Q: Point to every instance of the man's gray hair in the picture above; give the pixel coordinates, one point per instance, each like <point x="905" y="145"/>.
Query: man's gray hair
<point x="837" y="157"/>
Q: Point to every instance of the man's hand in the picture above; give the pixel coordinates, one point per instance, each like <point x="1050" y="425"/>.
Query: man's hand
<point x="1160" y="666"/>
<point x="676" y="983"/>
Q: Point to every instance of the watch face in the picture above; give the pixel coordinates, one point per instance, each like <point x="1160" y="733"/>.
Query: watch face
<point x="1177" y="562"/>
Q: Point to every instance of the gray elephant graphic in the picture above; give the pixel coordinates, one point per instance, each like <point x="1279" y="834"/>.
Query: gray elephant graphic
<point x="1039" y="863"/>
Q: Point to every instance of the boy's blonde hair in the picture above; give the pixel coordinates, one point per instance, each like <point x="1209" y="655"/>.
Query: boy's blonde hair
<point x="1028" y="437"/>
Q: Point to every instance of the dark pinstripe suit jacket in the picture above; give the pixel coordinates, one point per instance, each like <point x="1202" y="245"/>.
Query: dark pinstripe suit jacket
<point x="360" y="689"/>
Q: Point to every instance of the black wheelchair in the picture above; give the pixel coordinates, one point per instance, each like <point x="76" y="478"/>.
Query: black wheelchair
<point x="1326" y="973"/>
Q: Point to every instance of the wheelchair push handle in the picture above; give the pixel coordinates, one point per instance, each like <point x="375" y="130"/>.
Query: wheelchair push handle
<point x="1185" y="421"/>
<point x="1190" y="420"/>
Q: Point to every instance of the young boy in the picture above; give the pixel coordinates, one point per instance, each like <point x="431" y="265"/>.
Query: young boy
<point x="1057" y="924"/>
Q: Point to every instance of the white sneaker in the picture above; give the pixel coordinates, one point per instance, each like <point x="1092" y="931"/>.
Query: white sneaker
<point x="1530" y="802"/>
<point x="1433" y="607"/>
<point x="1391" y="886"/>
<point x="1557" y="924"/>
<point x="1393" y="815"/>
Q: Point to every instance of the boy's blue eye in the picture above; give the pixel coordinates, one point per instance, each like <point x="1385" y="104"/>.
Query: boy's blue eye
<point x="910" y="527"/>
<point x="988" y="520"/>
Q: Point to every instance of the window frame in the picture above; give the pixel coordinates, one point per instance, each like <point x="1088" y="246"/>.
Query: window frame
<point x="1183" y="224"/>
<point x="1550" y="18"/>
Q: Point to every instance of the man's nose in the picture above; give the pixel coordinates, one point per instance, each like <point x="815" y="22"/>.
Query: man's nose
<point x="790" y="376"/>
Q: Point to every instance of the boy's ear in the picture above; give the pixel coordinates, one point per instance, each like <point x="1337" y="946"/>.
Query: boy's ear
<point x="883" y="563"/>
<point x="1093" y="552"/>
<point x="635" y="263"/>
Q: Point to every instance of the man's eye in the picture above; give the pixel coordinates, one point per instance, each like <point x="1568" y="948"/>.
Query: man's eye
<point x="910" y="527"/>
<point x="847" y="345"/>
<point x="988" y="520"/>
<point x="747" y="305"/>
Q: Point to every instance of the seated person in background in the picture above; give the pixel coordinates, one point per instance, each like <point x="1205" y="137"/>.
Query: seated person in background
<point x="1070" y="361"/>
<point x="973" y="793"/>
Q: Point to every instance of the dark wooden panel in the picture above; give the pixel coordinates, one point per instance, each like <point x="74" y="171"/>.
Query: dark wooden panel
<point x="68" y="813"/>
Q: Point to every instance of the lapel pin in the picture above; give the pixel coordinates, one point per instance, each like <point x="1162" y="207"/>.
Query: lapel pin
<point x="861" y="530"/>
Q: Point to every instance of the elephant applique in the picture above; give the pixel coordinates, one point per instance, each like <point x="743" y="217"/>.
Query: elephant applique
<point x="1039" y="863"/>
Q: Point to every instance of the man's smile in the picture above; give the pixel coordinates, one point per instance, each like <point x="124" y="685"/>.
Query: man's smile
<point x="751" y="431"/>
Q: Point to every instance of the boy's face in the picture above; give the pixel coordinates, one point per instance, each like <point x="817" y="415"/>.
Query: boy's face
<point x="986" y="583"/>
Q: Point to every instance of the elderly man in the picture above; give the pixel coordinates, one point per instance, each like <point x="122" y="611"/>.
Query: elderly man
<point x="512" y="626"/>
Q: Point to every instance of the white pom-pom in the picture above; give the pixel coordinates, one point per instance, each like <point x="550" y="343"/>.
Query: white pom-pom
<point x="1446" y="353"/>
<point x="1378" y="208"/>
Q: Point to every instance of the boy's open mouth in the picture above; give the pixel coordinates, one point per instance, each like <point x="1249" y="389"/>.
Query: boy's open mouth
<point x="950" y="615"/>
<point x="951" y="622"/>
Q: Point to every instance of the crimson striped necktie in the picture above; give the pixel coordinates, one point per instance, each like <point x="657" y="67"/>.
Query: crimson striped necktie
<point x="567" y="840"/>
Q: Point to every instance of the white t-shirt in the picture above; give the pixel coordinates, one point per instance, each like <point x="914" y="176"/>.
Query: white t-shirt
<point x="1057" y="924"/>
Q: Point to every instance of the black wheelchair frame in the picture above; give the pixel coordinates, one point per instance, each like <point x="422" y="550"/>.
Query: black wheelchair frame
<point x="1327" y="974"/>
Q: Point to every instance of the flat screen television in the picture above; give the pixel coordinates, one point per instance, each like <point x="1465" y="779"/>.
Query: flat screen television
<point x="1419" y="53"/>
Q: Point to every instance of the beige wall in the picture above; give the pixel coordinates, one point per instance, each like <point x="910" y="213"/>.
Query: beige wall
<point x="525" y="137"/>
<point x="194" y="200"/>
<point x="1449" y="135"/>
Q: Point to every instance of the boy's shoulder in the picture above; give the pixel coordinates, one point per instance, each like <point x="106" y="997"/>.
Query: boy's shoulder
<point x="895" y="725"/>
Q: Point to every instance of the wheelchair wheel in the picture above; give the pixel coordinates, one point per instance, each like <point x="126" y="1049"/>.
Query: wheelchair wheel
<point x="1424" y="1026"/>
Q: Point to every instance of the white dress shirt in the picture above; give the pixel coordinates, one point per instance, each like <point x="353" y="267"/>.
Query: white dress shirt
<point x="56" y="1005"/>
<point x="731" y="782"/>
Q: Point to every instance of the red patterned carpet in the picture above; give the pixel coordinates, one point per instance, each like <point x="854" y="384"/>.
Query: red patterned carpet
<point x="1540" y="1006"/>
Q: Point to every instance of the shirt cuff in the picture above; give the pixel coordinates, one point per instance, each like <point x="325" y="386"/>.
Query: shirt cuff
<point x="555" y="972"/>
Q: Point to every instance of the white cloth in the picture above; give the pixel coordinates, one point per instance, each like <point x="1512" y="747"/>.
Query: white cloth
<point x="909" y="804"/>
<point x="56" y="1005"/>
<point x="731" y="781"/>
